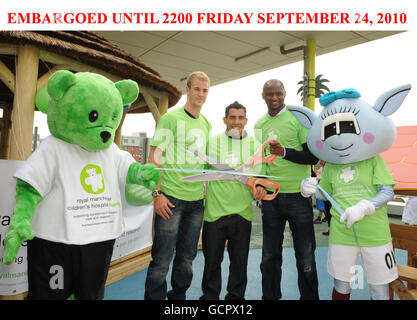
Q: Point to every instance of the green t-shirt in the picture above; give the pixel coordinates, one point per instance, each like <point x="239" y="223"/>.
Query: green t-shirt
<point x="350" y="183"/>
<point x="229" y="196"/>
<point x="176" y="131"/>
<point x="288" y="131"/>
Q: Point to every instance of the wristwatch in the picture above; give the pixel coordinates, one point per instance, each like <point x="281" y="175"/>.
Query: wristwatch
<point x="156" y="193"/>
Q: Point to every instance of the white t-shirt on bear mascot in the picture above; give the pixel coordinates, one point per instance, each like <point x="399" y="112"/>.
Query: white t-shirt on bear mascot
<point x="81" y="191"/>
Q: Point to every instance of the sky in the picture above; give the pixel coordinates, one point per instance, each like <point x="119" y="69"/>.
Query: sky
<point x="371" y="68"/>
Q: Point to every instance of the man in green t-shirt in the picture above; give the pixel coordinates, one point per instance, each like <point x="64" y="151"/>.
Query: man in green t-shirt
<point x="292" y="164"/>
<point x="228" y="212"/>
<point x="178" y="205"/>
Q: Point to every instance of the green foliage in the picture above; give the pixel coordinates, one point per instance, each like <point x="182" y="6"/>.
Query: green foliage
<point x="320" y="87"/>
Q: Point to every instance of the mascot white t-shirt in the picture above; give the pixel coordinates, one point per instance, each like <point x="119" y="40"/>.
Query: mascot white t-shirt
<point x="80" y="189"/>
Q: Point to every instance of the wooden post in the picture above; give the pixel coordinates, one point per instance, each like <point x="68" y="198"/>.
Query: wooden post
<point x="136" y="106"/>
<point x="5" y="132"/>
<point x="24" y="103"/>
<point x="42" y="81"/>
<point x="152" y="105"/>
<point x="7" y="77"/>
<point x="163" y="104"/>
<point x="118" y="135"/>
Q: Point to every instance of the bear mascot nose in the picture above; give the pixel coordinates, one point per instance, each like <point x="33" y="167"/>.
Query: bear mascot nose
<point x="105" y="135"/>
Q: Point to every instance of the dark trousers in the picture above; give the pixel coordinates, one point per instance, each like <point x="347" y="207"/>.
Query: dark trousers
<point x="57" y="270"/>
<point x="180" y="232"/>
<point x="298" y="211"/>
<point x="328" y="206"/>
<point x="236" y="231"/>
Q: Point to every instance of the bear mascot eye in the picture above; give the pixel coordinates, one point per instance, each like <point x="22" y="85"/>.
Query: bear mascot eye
<point x="93" y="116"/>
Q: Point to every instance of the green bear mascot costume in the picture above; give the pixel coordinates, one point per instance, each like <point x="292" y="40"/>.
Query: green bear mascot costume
<point x="68" y="192"/>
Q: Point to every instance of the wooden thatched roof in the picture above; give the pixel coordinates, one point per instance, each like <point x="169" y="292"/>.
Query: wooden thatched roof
<point x="92" y="49"/>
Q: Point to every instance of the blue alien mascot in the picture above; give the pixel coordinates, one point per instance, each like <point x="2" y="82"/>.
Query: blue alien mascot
<point x="349" y="134"/>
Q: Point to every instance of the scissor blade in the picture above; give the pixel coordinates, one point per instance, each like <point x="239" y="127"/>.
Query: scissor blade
<point x="209" y="177"/>
<point x="241" y="179"/>
<point x="209" y="160"/>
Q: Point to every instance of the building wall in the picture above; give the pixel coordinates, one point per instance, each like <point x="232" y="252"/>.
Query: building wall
<point x="137" y="146"/>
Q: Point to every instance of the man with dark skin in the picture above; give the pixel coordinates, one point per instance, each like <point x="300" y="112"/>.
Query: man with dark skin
<point x="274" y="95"/>
<point x="292" y="164"/>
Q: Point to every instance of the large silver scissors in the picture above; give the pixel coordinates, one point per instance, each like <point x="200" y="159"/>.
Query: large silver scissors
<point x="250" y="182"/>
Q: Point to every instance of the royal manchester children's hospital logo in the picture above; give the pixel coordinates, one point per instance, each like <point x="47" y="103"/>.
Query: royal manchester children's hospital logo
<point x="231" y="160"/>
<point x="348" y="175"/>
<point x="272" y="135"/>
<point x="92" y="179"/>
<point x="198" y="141"/>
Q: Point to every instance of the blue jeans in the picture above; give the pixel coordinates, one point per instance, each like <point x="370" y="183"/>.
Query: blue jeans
<point x="298" y="211"/>
<point x="180" y="232"/>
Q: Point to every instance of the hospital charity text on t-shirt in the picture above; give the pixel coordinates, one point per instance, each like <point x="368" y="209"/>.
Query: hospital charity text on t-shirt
<point x="81" y="191"/>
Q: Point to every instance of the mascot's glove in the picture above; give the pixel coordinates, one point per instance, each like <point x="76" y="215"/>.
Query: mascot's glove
<point x="308" y="187"/>
<point x="148" y="176"/>
<point x="357" y="212"/>
<point x="145" y="175"/>
<point x="19" y="231"/>
<point x="27" y="199"/>
<point x="137" y="195"/>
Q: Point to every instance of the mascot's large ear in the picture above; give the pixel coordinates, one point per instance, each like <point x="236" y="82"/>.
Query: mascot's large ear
<point x="129" y="90"/>
<point x="304" y="115"/>
<point x="388" y="102"/>
<point x="59" y="83"/>
<point x="42" y="99"/>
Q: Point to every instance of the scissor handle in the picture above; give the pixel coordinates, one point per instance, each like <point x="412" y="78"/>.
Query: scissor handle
<point x="258" y="157"/>
<point x="253" y="182"/>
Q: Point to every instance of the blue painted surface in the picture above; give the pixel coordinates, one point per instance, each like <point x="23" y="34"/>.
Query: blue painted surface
<point x="132" y="287"/>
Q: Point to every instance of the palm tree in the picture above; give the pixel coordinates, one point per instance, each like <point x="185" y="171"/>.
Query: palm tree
<point x="319" y="87"/>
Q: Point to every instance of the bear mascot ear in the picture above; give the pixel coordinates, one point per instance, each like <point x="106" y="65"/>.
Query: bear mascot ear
<point x="129" y="90"/>
<point x="59" y="83"/>
<point x="42" y="99"/>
